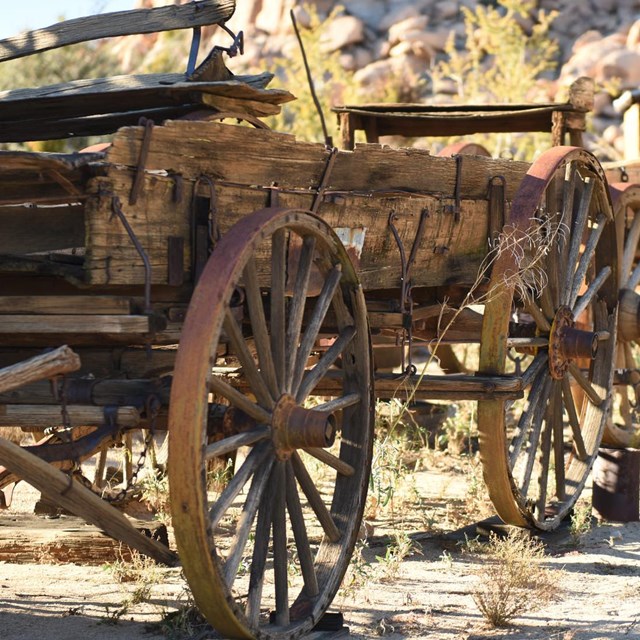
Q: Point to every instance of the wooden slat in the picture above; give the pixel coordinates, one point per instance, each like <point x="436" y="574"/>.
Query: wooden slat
<point x="118" y="23"/>
<point x="57" y="362"/>
<point x="96" y="96"/>
<point x="40" y="415"/>
<point x="56" y="324"/>
<point x="63" y="305"/>
<point x="29" y="229"/>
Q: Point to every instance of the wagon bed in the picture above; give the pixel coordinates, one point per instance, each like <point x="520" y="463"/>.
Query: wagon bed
<point x="235" y="287"/>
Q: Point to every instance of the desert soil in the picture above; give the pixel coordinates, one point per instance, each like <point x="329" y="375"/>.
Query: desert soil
<point x="427" y="595"/>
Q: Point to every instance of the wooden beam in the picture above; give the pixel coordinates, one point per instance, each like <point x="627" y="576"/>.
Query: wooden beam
<point x="42" y="416"/>
<point x="117" y="23"/>
<point x="47" y="365"/>
<point x="62" y="305"/>
<point x="83" y="324"/>
<point x="79" y="500"/>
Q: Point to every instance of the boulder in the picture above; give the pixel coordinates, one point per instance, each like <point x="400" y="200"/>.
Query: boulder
<point x="342" y="32"/>
<point x="398" y="32"/>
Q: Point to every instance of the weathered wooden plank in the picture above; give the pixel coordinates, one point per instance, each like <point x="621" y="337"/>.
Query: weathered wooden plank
<point x="43" y="416"/>
<point x="32" y="229"/>
<point x="101" y="362"/>
<point x="98" y="392"/>
<point x="33" y="539"/>
<point x="450" y="251"/>
<point x="79" y="500"/>
<point x="73" y="324"/>
<point x="57" y="362"/>
<point x="117" y="94"/>
<point x="117" y="23"/>
<point x="250" y="156"/>
<point x="63" y="305"/>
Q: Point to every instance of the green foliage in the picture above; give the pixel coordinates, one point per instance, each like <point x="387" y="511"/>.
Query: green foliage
<point x="502" y="63"/>
<point x="332" y="83"/>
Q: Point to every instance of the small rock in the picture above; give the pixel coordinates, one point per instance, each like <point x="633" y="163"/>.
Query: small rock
<point x="611" y="133"/>
<point x="398" y="32"/>
<point x="447" y="9"/>
<point x="355" y="58"/>
<point x="633" y="37"/>
<point x="341" y="32"/>
<point x="398" y="15"/>
<point x="414" y="43"/>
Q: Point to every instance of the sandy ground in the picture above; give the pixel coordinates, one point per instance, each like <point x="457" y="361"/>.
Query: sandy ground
<point x="427" y="595"/>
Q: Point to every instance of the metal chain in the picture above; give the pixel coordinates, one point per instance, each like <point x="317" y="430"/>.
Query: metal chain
<point x="153" y="407"/>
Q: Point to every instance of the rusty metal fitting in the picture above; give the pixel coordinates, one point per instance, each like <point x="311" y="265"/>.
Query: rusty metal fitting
<point x="295" y="427"/>
<point x="567" y="343"/>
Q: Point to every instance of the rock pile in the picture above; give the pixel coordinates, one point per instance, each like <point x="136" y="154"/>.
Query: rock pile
<point x="384" y="40"/>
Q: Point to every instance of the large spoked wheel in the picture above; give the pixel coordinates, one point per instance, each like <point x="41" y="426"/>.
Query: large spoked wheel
<point x="550" y="321"/>
<point x="265" y="547"/>
<point x="625" y="412"/>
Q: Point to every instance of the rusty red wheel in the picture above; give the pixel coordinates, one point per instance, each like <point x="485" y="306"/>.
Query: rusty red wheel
<point x="625" y="413"/>
<point x="550" y="322"/>
<point x="279" y="307"/>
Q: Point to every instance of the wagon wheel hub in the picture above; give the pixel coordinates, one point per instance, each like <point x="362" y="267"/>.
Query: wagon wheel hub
<point x="294" y="427"/>
<point x="566" y="343"/>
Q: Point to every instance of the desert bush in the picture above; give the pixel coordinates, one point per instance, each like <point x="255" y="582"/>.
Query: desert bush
<point x="502" y="61"/>
<point x="512" y="580"/>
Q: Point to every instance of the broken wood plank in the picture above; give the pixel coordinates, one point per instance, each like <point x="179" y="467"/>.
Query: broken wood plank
<point x="63" y="305"/>
<point x="79" y="500"/>
<point x="36" y="416"/>
<point x="27" y="538"/>
<point x="75" y="324"/>
<point x="117" y="23"/>
<point x="60" y="361"/>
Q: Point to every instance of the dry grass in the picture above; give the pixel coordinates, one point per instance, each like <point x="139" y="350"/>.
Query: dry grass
<point x="512" y="579"/>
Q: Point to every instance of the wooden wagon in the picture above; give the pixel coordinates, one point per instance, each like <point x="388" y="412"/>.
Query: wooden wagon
<point x="230" y="284"/>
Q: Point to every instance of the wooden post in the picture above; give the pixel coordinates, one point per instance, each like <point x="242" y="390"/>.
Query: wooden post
<point x="48" y="365"/>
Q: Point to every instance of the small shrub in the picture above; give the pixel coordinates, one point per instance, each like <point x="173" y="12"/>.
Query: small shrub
<point x="511" y="580"/>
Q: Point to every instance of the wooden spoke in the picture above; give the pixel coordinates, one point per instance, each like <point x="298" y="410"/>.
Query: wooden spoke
<point x="630" y="250"/>
<point x="586" y="299"/>
<point x="315" y="499"/>
<point x="539" y="362"/>
<point x="259" y="559"/>
<point x="538" y="316"/>
<point x="568" y="199"/>
<point x="280" y="556"/>
<point x="259" y="327"/>
<point x="330" y="460"/>
<point x="315" y="322"/>
<point x="232" y="443"/>
<point x="586" y="258"/>
<point x="245" y="521"/>
<point x="634" y="278"/>
<point x="256" y="457"/>
<point x="558" y="439"/>
<point x="278" y="282"/>
<point x="536" y="399"/>
<point x="587" y="387"/>
<point x="316" y="374"/>
<point x="237" y="399"/>
<point x="300" y="535"/>
<point x="545" y="457"/>
<point x="296" y="309"/>
<point x="574" y="420"/>
<point x="343" y="402"/>
<point x="576" y="233"/>
<point x="249" y="368"/>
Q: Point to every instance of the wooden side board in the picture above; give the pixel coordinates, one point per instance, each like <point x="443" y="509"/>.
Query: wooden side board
<point x="366" y="187"/>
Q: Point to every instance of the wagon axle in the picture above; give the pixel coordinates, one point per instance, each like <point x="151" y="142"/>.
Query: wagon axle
<point x="566" y="343"/>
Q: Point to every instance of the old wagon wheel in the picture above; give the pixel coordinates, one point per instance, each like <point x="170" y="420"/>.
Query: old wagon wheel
<point x="265" y="556"/>
<point x="624" y="415"/>
<point x="550" y="320"/>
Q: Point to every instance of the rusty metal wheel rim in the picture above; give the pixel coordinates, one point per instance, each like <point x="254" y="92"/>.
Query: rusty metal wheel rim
<point x="198" y="522"/>
<point x="527" y="489"/>
<point x="622" y="422"/>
